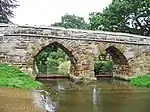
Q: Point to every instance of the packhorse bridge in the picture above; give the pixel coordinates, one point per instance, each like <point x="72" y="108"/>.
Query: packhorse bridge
<point x="19" y="45"/>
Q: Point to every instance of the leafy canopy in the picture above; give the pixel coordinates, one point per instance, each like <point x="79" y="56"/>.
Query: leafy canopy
<point x="72" y="21"/>
<point x="129" y="16"/>
<point x="6" y="10"/>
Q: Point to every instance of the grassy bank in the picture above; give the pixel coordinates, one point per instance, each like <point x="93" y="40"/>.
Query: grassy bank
<point x="13" y="77"/>
<point x="141" y="81"/>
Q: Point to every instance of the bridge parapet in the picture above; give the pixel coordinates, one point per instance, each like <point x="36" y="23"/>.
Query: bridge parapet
<point x="72" y="34"/>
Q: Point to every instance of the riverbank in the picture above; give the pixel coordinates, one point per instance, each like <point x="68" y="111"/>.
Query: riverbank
<point x="11" y="76"/>
<point x="141" y="80"/>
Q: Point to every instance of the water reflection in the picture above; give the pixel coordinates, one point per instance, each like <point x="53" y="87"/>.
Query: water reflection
<point x="101" y="96"/>
<point x="96" y="99"/>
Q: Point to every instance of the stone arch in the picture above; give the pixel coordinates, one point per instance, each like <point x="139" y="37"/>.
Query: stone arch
<point x="64" y="48"/>
<point x="121" y="66"/>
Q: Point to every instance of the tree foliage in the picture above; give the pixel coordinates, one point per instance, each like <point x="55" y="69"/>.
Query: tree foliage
<point x="6" y="10"/>
<point x="72" y="21"/>
<point x="41" y="59"/>
<point x="129" y="16"/>
<point x="52" y="66"/>
<point x="49" y="59"/>
<point x="64" y="67"/>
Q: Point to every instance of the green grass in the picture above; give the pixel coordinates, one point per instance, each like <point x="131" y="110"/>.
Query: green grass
<point x="141" y="81"/>
<point x="13" y="77"/>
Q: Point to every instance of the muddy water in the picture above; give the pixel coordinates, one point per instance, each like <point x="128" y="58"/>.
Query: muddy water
<point x="16" y="100"/>
<point x="101" y="96"/>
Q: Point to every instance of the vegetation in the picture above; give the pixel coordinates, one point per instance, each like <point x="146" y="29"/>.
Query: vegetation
<point x="13" y="77"/>
<point x="64" y="67"/>
<point x="103" y="64"/>
<point x="141" y="81"/>
<point x="129" y="16"/>
<point x="103" y="67"/>
<point x="51" y="60"/>
<point x="52" y="66"/>
<point x="6" y="11"/>
<point x="44" y="57"/>
<point x="72" y="21"/>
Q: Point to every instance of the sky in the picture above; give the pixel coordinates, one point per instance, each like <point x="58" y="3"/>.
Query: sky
<point x="46" y="12"/>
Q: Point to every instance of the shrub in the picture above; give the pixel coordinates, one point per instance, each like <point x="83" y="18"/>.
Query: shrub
<point x="102" y="67"/>
<point x="52" y="66"/>
<point x="64" y="68"/>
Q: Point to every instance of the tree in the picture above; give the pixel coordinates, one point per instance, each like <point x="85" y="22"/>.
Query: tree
<point x="6" y="11"/>
<point x="72" y="21"/>
<point x="129" y="16"/>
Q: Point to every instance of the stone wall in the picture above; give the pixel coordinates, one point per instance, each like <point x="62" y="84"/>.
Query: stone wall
<point x="19" y="45"/>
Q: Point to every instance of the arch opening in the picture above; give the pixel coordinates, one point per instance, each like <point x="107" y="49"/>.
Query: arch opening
<point x="111" y="62"/>
<point x="54" y="59"/>
<point x="120" y="63"/>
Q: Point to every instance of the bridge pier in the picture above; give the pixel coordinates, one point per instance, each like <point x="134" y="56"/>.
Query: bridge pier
<point x="84" y="67"/>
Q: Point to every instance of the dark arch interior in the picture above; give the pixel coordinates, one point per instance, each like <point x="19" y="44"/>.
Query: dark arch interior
<point x="117" y="57"/>
<point x="69" y="54"/>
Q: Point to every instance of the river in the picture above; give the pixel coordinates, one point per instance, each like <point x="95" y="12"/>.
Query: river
<point x="107" y="95"/>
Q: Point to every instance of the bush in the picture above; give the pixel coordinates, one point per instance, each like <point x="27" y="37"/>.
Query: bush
<point x="13" y="77"/>
<point x="64" y="68"/>
<point x="52" y="66"/>
<point x="142" y="81"/>
<point x="103" y="67"/>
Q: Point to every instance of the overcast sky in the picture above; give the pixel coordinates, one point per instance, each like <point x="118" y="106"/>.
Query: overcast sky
<point x="46" y="12"/>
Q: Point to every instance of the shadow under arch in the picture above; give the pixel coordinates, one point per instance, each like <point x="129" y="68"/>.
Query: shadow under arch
<point x="117" y="56"/>
<point x="69" y="54"/>
<point x="121" y="66"/>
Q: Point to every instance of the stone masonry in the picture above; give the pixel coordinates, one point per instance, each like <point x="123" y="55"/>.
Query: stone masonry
<point x="19" y="45"/>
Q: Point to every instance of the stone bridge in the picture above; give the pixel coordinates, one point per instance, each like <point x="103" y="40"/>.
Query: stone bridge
<point x="19" y="45"/>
